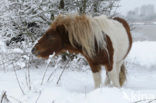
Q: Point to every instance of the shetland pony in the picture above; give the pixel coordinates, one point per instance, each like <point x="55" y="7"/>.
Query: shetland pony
<point x="101" y="40"/>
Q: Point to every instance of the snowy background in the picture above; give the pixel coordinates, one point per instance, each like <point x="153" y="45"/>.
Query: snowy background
<point x="27" y="79"/>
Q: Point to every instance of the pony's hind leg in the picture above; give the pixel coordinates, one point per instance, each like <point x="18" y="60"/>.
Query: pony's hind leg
<point x="122" y="75"/>
<point x="107" y="80"/>
<point x="114" y="75"/>
<point x="118" y="74"/>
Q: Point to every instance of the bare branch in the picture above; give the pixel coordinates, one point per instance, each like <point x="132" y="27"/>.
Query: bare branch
<point x="3" y="98"/>
<point x="62" y="72"/>
<point x="18" y="80"/>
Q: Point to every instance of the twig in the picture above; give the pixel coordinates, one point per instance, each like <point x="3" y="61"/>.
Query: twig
<point x="60" y="76"/>
<point x="44" y="74"/>
<point x="3" y="63"/>
<point x="29" y="80"/>
<point x="4" y="66"/>
<point x="27" y="75"/>
<point x="18" y="80"/>
<point x="4" y="98"/>
<point x="149" y="100"/>
<point x="55" y="68"/>
<point x="48" y="62"/>
<point x="53" y="101"/>
<point x="26" y="79"/>
<point x="85" y="92"/>
<point x="152" y="101"/>
<point x="51" y="74"/>
<point x="15" y="99"/>
<point x="38" y="97"/>
<point x="140" y="101"/>
<point x="62" y="73"/>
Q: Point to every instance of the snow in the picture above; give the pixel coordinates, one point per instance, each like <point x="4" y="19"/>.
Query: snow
<point x="72" y="91"/>
<point x="77" y="86"/>
<point x="59" y="95"/>
<point x="143" y="53"/>
<point x="107" y="95"/>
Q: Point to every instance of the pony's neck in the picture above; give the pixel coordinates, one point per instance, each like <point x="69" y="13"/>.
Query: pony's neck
<point x="71" y="49"/>
<point x="67" y="45"/>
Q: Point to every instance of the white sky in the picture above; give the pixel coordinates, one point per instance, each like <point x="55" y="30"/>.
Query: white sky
<point x="127" y="5"/>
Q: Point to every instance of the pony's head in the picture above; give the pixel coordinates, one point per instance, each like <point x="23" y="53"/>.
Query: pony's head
<point x="49" y="43"/>
<point x="78" y="31"/>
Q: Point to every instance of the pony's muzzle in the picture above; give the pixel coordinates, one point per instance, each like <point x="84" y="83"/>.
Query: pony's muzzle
<point x="34" y="51"/>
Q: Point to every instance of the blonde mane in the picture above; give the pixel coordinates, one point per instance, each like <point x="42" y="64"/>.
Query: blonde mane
<point x="83" y="30"/>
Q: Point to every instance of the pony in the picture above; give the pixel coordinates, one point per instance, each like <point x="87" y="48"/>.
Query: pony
<point x="101" y="40"/>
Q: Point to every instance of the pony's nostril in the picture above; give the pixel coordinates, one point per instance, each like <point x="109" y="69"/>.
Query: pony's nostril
<point x="33" y="50"/>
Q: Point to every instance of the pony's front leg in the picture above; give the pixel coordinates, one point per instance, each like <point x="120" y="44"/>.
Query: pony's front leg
<point x="96" y="70"/>
<point x="97" y="79"/>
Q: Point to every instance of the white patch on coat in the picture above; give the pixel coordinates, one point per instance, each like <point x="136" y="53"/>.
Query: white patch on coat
<point x="118" y="35"/>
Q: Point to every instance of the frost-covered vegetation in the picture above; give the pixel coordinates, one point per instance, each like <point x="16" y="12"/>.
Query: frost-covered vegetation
<point x="66" y="78"/>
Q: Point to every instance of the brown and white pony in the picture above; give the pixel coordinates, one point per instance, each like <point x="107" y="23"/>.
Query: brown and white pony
<point x="102" y="41"/>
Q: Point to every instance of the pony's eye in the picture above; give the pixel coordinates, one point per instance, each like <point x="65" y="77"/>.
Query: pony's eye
<point x="49" y="36"/>
<point x="53" y="38"/>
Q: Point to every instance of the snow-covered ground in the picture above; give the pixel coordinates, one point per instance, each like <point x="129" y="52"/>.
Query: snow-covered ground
<point x="76" y="86"/>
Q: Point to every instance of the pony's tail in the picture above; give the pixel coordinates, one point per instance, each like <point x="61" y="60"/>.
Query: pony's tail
<point x="122" y="75"/>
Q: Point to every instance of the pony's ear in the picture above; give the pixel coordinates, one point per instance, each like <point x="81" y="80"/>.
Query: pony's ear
<point x="61" y="29"/>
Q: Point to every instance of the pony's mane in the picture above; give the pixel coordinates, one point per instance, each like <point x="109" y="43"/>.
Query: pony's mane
<point x="83" y="30"/>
